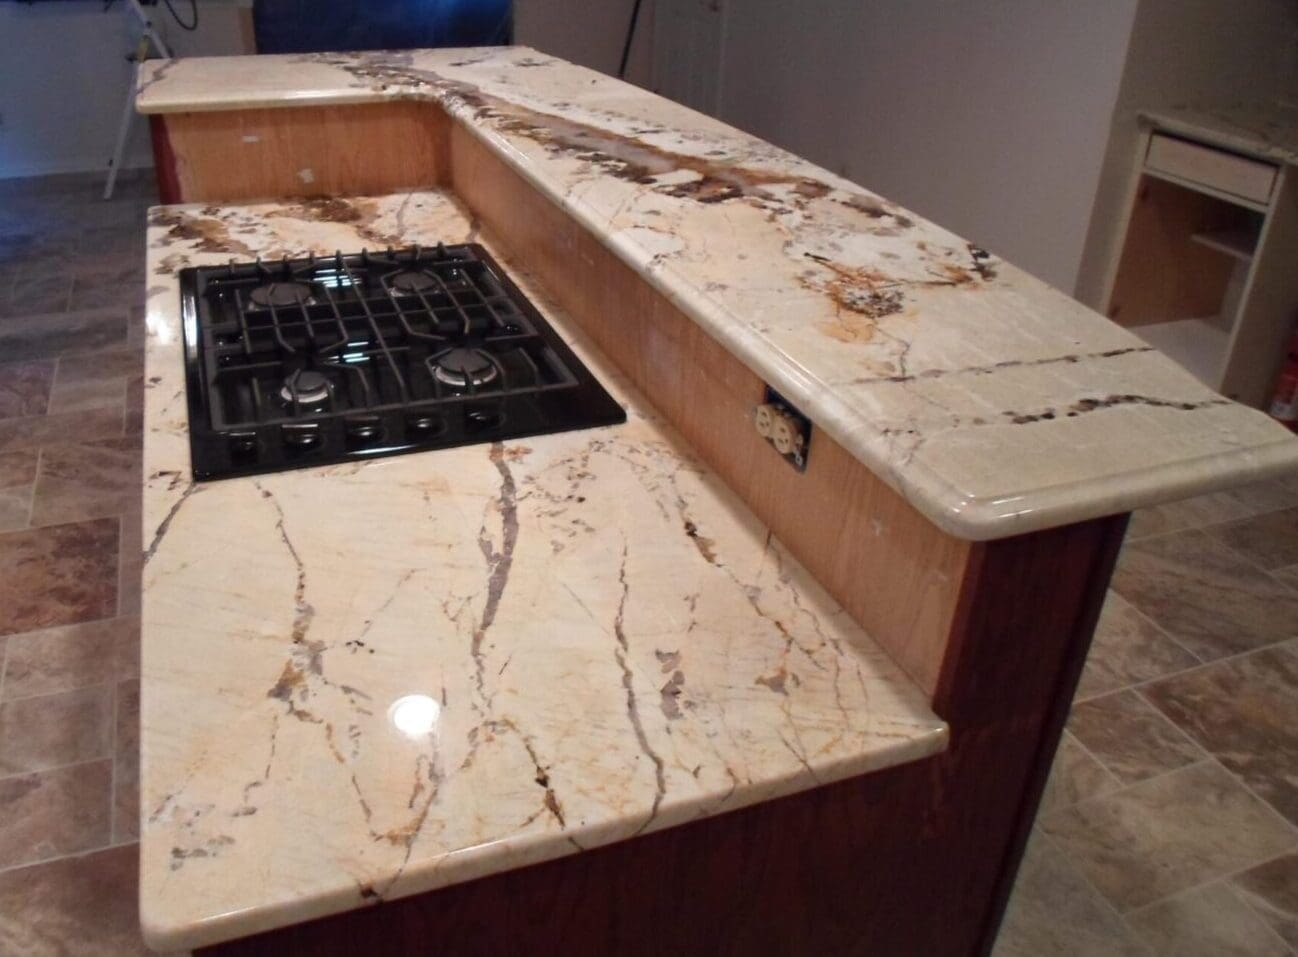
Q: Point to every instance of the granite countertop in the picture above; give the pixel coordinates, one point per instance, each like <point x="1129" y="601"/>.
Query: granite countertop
<point x="995" y="404"/>
<point x="1267" y="132"/>
<point x="599" y="638"/>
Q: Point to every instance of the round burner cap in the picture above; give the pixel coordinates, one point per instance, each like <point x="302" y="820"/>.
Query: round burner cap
<point x="306" y="386"/>
<point x="412" y="283"/>
<point x="280" y="294"/>
<point x="461" y="367"/>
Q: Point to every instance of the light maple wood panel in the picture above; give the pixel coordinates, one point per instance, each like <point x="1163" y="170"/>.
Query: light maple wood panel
<point x="894" y="571"/>
<point x="1162" y="273"/>
<point x="307" y="151"/>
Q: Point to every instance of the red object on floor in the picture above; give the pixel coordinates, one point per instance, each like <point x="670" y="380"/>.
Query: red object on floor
<point x="1284" y="402"/>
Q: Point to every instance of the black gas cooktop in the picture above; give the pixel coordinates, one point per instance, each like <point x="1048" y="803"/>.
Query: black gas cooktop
<point x="320" y="360"/>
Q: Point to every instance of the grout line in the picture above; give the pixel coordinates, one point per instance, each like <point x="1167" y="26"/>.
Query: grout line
<point x="1200" y="746"/>
<point x="1117" y="782"/>
<point x="36" y="480"/>
<point x="1208" y="882"/>
<point x="1226" y="659"/>
<point x="112" y="771"/>
<point x="1075" y="864"/>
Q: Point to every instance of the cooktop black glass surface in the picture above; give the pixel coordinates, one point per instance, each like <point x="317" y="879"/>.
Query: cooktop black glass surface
<point x="320" y="360"/>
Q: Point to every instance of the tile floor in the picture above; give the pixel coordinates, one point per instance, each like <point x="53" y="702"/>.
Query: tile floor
<point x="1170" y="825"/>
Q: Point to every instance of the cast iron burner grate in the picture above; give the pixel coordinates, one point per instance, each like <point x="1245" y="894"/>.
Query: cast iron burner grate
<point x="321" y="360"/>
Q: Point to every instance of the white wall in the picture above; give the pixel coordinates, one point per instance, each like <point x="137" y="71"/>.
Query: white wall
<point x="1209" y="53"/>
<point x="63" y="80"/>
<point x="988" y="118"/>
<point x="586" y="32"/>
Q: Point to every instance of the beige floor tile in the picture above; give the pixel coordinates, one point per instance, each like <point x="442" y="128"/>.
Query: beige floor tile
<point x="1075" y="776"/>
<point x="1209" y="921"/>
<point x="1168" y="834"/>
<point x="1128" y="648"/>
<point x="36" y="430"/>
<point x="1212" y="601"/>
<point x="1269" y="540"/>
<point x="72" y="656"/>
<point x="1271" y="889"/>
<point x="1130" y="737"/>
<point x="52" y="730"/>
<point x="48" y="814"/>
<point x="1244" y="711"/>
<point x="1205" y="510"/>
<point x="17" y="481"/>
<point x="126" y="773"/>
<point x="86" y="480"/>
<point x="1054" y="911"/>
<point x="75" y="907"/>
<point x="25" y="388"/>
<point x="88" y="381"/>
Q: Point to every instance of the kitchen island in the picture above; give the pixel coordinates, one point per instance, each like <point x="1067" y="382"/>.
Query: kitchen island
<point x="642" y="688"/>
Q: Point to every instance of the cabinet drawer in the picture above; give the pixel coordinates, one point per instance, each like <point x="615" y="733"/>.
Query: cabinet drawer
<point x="1213" y="168"/>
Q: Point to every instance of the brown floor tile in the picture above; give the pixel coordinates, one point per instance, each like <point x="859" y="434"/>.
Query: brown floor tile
<point x="1054" y="911"/>
<point x="39" y="294"/>
<point x="1075" y="776"/>
<point x="82" y="426"/>
<point x="1209" y="921"/>
<point x="50" y="813"/>
<point x="135" y="405"/>
<point x="88" y="293"/>
<point x="84" y="906"/>
<point x="86" y="480"/>
<point x="1128" y="648"/>
<point x="17" y="468"/>
<point x="25" y="388"/>
<point x="1130" y="737"/>
<point x="1287" y="576"/>
<point x="71" y="656"/>
<point x="46" y="336"/>
<point x="92" y="380"/>
<point x="17" y="479"/>
<point x="1210" y="600"/>
<point x="1205" y="510"/>
<point x="126" y="774"/>
<point x="1269" y="540"/>
<point x="58" y="575"/>
<point x="131" y="564"/>
<point x="71" y="727"/>
<point x="1168" y="834"/>
<point x="1245" y="711"/>
<point x="1271" y="889"/>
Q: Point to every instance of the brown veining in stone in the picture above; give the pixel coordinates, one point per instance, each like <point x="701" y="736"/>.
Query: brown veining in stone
<point x="210" y="234"/>
<point x="58" y="575"/>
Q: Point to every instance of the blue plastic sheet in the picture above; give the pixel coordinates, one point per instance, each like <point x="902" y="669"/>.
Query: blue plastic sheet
<point x="303" y="26"/>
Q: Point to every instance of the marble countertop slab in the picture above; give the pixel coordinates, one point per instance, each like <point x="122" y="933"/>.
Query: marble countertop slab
<point x="993" y="403"/>
<point x="606" y="641"/>
<point x="1267" y="132"/>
